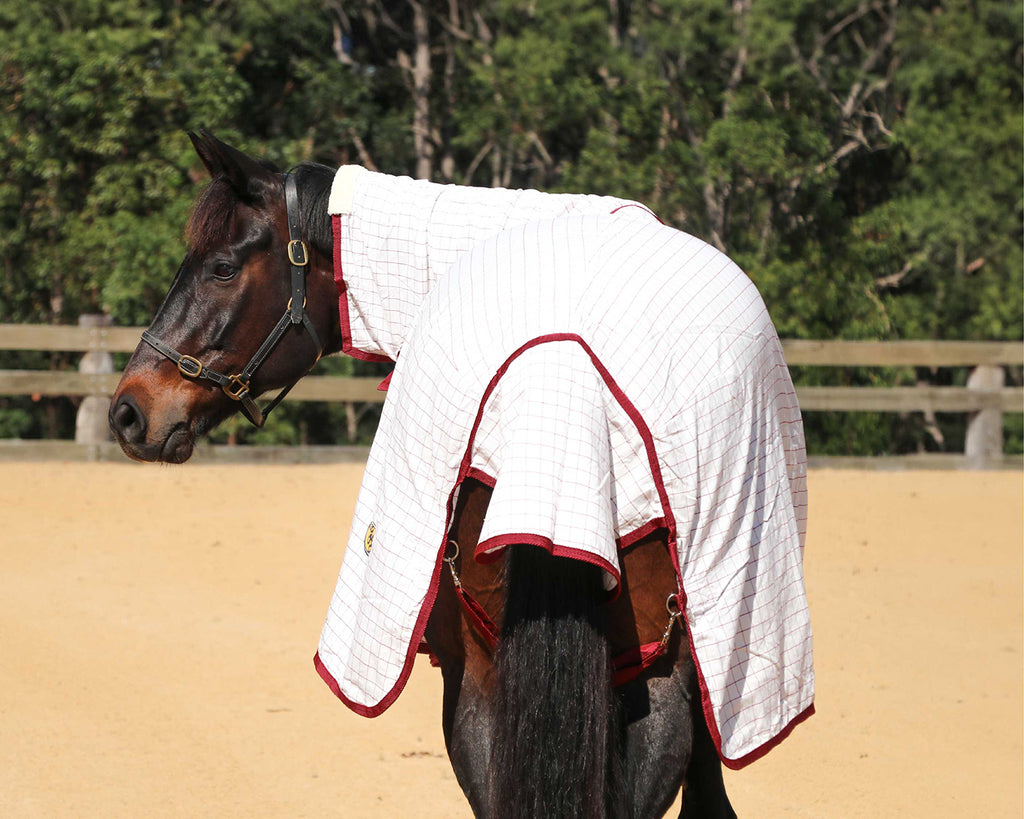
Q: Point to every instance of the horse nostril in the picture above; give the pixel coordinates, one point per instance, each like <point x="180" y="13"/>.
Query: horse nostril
<point x="127" y="421"/>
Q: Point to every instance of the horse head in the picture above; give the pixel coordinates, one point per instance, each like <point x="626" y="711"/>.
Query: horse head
<point x="251" y="309"/>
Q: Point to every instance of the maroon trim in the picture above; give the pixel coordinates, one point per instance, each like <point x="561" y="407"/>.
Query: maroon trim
<point x="479" y="618"/>
<point x="705" y="692"/>
<point x="328" y="678"/>
<point x="339" y="281"/>
<point x="637" y="205"/>
<point x="487" y="552"/>
<point x="641" y="532"/>
<point x="631" y="664"/>
<point x="383" y="385"/>
<point x="757" y="753"/>
<point x="480" y="475"/>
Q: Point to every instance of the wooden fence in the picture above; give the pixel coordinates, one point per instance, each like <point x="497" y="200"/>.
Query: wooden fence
<point x="985" y="397"/>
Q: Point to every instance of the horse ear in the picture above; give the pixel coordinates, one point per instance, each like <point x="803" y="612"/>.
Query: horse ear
<point x="252" y="180"/>
<point x="202" y="143"/>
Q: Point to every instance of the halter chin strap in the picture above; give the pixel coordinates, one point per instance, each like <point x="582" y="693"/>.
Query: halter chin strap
<point x="236" y="386"/>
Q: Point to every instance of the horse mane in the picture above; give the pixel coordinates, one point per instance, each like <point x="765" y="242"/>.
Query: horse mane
<point x="211" y="215"/>
<point x="210" y="218"/>
<point x="314" y="185"/>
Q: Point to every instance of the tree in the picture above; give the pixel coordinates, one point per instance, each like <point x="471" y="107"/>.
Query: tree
<point x="860" y="159"/>
<point x="98" y="176"/>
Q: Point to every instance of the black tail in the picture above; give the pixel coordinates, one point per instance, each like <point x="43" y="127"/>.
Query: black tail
<point x="555" y="742"/>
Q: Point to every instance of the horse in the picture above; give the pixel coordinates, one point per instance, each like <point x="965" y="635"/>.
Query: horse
<point x="557" y="701"/>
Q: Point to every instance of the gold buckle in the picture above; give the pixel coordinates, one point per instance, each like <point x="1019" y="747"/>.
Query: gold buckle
<point x="303" y="254"/>
<point x="194" y="368"/>
<point x="237" y="388"/>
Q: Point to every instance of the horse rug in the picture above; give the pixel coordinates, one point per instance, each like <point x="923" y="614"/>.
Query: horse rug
<point x="607" y="376"/>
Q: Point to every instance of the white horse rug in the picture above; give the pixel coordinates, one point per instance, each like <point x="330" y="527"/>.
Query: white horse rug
<point x="607" y="376"/>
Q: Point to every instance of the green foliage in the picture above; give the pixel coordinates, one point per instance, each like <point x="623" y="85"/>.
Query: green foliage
<point x="959" y="206"/>
<point x="15" y="421"/>
<point x="1013" y="434"/>
<point x="862" y="162"/>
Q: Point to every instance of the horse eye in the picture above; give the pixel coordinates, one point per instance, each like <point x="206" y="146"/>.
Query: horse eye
<point x="224" y="272"/>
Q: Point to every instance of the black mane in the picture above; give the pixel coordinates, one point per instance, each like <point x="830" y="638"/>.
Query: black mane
<point x="314" y="185"/>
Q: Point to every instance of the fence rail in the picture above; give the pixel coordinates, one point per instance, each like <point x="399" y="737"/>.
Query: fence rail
<point x="799" y="352"/>
<point x="69" y="338"/>
<point x="984" y="398"/>
<point x="51" y="383"/>
<point x="364" y="390"/>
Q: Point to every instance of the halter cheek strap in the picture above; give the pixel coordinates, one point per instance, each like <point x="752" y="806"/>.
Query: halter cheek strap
<point x="236" y="386"/>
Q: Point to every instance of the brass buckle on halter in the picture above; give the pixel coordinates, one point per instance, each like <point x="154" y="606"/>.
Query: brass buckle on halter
<point x="190" y="367"/>
<point x="237" y="388"/>
<point x="297" y="253"/>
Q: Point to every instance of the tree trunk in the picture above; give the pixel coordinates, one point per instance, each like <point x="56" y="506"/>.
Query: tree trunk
<point x="421" y="77"/>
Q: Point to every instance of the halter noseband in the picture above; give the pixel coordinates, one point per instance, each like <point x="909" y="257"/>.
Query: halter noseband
<point x="236" y="386"/>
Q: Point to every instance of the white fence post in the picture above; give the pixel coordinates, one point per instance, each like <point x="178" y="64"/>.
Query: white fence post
<point x="91" y="425"/>
<point x="985" y="427"/>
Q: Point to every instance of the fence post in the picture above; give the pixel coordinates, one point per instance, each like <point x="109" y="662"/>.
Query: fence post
<point x="91" y="425"/>
<point x="985" y="427"/>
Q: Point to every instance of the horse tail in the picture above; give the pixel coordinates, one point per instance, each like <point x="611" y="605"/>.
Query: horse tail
<point x="556" y="741"/>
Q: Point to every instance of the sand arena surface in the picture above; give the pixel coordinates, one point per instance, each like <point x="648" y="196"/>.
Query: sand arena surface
<point x="157" y="628"/>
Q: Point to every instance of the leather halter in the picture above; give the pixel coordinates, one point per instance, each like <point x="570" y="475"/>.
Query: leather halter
<point x="236" y="386"/>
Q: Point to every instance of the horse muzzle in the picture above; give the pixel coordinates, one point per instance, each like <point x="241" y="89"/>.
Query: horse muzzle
<point x="146" y="436"/>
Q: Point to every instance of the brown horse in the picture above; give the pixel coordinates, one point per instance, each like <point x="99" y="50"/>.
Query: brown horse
<point x="534" y="725"/>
